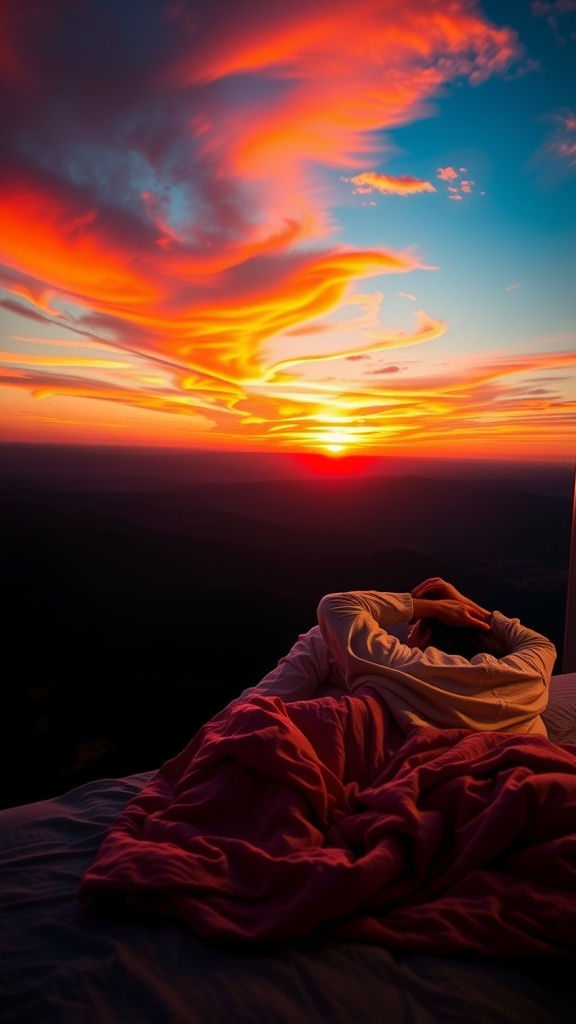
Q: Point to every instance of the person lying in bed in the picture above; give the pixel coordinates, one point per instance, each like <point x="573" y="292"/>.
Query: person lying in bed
<point x="460" y="665"/>
<point x="287" y="818"/>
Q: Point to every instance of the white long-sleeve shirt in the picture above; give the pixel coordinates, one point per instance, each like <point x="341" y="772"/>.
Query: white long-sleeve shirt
<point x="430" y="687"/>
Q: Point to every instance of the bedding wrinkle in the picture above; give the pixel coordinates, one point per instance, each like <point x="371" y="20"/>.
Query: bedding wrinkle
<point x="285" y="820"/>
<point x="65" y="963"/>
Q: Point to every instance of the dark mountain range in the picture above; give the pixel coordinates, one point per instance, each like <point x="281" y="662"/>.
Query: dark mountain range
<point x="132" y="617"/>
<point x="138" y="469"/>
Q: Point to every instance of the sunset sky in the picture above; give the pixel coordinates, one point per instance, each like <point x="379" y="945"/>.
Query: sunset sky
<point x="283" y="226"/>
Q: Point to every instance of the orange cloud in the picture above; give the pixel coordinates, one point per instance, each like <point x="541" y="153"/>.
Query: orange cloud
<point x="173" y="203"/>
<point x="507" y="403"/>
<point x="427" y="330"/>
<point x="405" y="185"/>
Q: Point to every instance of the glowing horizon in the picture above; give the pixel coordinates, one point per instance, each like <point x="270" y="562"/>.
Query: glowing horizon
<point x="312" y="227"/>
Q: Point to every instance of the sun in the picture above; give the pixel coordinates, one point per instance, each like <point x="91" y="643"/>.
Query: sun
<point x="335" y="441"/>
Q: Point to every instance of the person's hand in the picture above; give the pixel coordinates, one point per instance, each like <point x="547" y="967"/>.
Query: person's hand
<point x="436" y="588"/>
<point x="453" y="612"/>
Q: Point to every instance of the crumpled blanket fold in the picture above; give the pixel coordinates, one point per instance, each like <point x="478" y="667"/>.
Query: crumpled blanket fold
<point x="282" y="820"/>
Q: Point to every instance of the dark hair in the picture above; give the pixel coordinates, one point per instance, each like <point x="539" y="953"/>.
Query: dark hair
<point x="463" y="640"/>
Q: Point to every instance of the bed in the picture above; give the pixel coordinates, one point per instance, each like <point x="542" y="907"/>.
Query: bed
<point x="70" y="960"/>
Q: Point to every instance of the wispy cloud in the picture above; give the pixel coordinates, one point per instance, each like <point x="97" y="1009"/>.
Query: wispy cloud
<point x="173" y="200"/>
<point x="561" y="143"/>
<point x="509" y="398"/>
<point x="555" y="159"/>
<point x="552" y="11"/>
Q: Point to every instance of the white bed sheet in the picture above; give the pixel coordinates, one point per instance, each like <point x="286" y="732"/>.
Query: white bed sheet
<point x="560" y="715"/>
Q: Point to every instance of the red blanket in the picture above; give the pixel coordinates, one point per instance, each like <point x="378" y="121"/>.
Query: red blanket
<point x="278" y="820"/>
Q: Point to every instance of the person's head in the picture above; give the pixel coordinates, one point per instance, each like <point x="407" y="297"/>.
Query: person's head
<point x="463" y="640"/>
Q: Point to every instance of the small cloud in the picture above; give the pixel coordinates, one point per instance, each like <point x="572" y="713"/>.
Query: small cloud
<point x="447" y="174"/>
<point x="459" y="186"/>
<point x="386" y="369"/>
<point x="388" y="184"/>
<point x="512" y="287"/>
<point x="407" y="295"/>
<point x="356" y="359"/>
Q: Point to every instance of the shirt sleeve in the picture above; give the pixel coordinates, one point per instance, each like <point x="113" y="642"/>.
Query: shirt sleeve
<point x="307" y="671"/>
<point x="354" y="625"/>
<point x="506" y="693"/>
<point x="528" y="654"/>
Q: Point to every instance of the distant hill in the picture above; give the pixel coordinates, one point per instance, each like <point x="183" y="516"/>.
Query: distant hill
<point x="132" y="617"/>
<point x="119" y="468"/>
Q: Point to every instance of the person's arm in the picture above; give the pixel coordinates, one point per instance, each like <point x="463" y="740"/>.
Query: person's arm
<point x="524" y="652"/>
<point x="451" y="612"/>
<point x="437" y="589"/>
<point x="364" y="613"/>
<point x="506" y="692"/>
<point x="355" y="626"/>
<point x="307" y="671"/>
